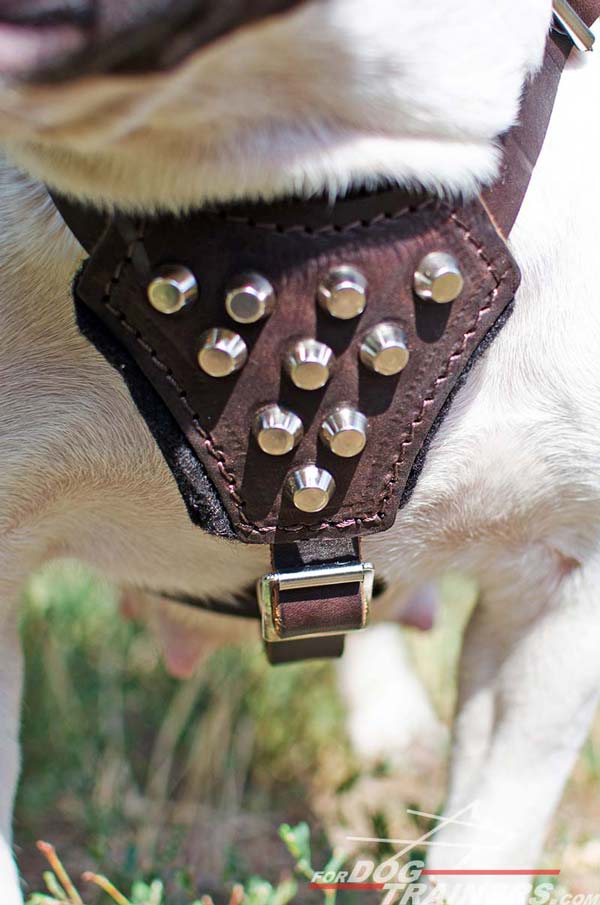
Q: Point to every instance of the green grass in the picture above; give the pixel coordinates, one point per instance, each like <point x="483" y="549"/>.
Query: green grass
<point x="136" y="776"/>
<point x="132" y="773"/>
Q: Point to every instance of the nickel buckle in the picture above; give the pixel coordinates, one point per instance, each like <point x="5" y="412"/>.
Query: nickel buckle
<point x="573" y="25"/>
<point x="269" y="586"/>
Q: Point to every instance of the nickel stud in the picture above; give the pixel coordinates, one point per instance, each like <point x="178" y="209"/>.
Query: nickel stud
<point x="250" y="298"/>
<point x="277" y="430"/>
<point x="310" y="488"/>
<point x="438" y="278"/>
<point x="173" y="287"/>
<point x="222" y="352"/>
<point x="344" y="431"/>
<point x="308" y="364"/>
<point x="343" y="293"/>
<point x="384" y="349"/>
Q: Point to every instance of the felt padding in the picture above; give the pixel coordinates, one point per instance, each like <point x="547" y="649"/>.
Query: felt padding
<point x="201" y="499"/>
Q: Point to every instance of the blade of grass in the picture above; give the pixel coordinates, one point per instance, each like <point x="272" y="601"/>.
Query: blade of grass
<point x="49" y="852"/>
<point x="53" y="886"/>
<point x="39" y="898"/>
<point x="105" y="884"/>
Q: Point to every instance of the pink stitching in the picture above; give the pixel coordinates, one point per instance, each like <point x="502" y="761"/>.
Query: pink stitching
<point x="139" y="338"/>
<point x="327" y="227"/>
<point x="385" y="498"/>
<point x="230" y="479"/>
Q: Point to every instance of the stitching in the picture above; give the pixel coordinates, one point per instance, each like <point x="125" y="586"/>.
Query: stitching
<point x="230" y="479"/>
<point x="168" y="373"/>
<point x="456" y="353"/>
<point x="327" y="228"/>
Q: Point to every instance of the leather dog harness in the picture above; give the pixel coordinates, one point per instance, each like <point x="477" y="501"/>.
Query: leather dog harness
<point x="293" y="359"/>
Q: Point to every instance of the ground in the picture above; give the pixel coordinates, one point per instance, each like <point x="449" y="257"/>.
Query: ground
<point x="132" y="773"/>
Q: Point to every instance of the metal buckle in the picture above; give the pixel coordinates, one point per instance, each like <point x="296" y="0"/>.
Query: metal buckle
<point x="571" y="24"/>
<point x="321" y="576"/>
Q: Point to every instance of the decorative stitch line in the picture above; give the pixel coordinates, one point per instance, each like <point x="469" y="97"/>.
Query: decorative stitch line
<point x="246" y="525"/>
<point x="327" y="228"/>
<point x="456" y="353"/>
<point x="169" y="376"/>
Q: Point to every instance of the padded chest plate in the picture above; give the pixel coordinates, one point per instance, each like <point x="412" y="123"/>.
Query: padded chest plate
<point x="385" y="237"/>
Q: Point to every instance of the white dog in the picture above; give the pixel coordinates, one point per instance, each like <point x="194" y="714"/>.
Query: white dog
<point x="331" y="94"/>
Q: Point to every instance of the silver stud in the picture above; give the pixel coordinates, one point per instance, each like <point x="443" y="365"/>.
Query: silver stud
<point x="438" y="278"/>
<point x="344" y="431"/>
<point x="222" y="352"/>
<point x="384" y="349"/>
<point x="308" y="364"/>
<point x="343" y="293"/>
<point x="277" y="430"/>
<point x="250" y="298"/>
<point x="173" y="287"/>
<point x="310" y="488"/>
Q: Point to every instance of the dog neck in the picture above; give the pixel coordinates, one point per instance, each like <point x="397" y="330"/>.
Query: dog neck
<point x="320" y="100"/>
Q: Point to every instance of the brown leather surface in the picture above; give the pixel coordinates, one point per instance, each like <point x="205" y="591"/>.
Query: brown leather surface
<point x="589" y="10"/>
<point x="339" y="608"/>
<point x="334" y="610"/>
<point x="523" y="144"/>
<point x="294" y="245"/>
<point x="299" y="651"/>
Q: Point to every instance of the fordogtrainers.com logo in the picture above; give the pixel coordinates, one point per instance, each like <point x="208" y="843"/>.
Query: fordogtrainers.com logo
<point x="411" y="882"/>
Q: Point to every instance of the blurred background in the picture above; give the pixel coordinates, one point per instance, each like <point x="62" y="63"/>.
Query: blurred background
<point x="134" y="774"/>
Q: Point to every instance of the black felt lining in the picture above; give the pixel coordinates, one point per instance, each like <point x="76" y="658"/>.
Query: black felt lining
<point x="201" y="499"/>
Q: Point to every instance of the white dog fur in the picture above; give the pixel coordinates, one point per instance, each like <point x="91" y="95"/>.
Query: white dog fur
<point x="329" y="96"/>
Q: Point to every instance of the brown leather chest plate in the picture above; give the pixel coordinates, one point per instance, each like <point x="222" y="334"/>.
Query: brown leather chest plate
<point x="385" y="236"/>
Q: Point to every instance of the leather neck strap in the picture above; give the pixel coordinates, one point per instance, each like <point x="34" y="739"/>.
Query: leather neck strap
<point x="204" y="424"/>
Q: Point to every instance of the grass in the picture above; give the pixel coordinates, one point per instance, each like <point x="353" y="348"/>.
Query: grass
<point x="135" y="776"/>
<point x="61" y="890"/>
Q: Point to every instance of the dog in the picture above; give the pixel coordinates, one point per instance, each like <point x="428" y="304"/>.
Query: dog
<point x="319" y="96"/>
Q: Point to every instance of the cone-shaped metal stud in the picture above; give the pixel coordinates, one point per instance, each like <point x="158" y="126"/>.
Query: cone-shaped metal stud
<point x="310" y="488"/>
<point x="222" y="352"/>
<point x="345" y="432"/>
<point x="250" y="298"/>
<point x="384" y="349"/>
<point x="277" y="430"/>
<point x="309" y="364"/>
<point x="343" y="293"/>
<point x="438" y="278"/>
<point x="173" y="287"/>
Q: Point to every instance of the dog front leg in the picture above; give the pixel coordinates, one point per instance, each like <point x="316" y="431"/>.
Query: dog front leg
<point x="530" y="682"/>
<point x="389" y="714"/>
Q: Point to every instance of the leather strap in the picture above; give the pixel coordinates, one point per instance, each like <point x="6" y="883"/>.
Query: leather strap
<point x="296" y="612"/>
<point x="294" y="244"/>
<point x="523" y="144"/>
<point x="588" y="10"/>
